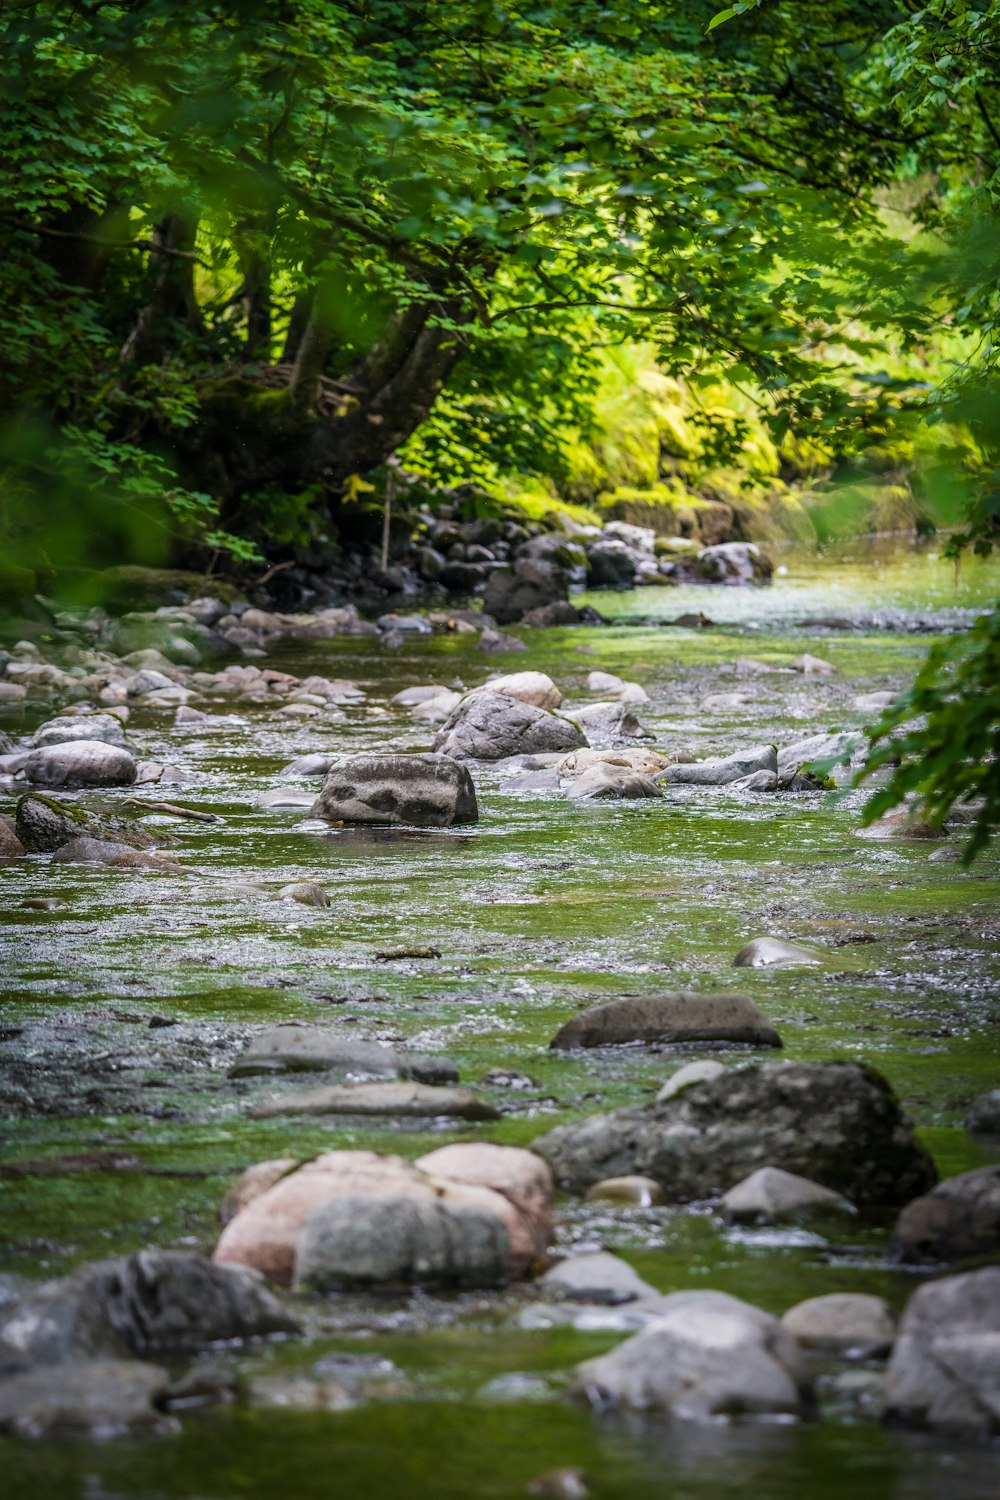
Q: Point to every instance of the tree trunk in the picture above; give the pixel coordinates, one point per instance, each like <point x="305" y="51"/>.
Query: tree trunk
<point x="172" y="300"/>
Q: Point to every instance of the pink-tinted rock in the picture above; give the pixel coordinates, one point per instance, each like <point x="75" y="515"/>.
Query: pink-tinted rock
<point x="523" y="1178"/>
<point x="251" y="1183"/>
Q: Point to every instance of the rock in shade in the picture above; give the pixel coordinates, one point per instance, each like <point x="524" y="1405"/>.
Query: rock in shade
<point x="772" y="1196"/>
<point x="984" y="1116"/>
<point x="601" y="1278"/>
<point x="721" y="772"/>
<point x="608" y="724"/>
<point x="400" y="1241"/>
<point x="155" y="1302"/>
<point x="43" y="824"/>
<point x="90" y="851"/>
<point x="669" y="1019"/>
<point x="944" y="1374"/>
<point x="105" y="728"/>
<point x="707" y="1355"/>
<point x="848" y="1323"/>
<point x="606" y="783"/>
<point x="627" y="1192"/>
<point x="519" y="1176"/>
<point x="317" y="1049"/>
<point x="266" y="1231"/>
<point x="774" y="953"/>
<point x="403" y="1100"/>
<point x="424" y="791"/>
<point x="491" y="726"/>
<point x="92" y="1398"/>
<point x="529" y="585"/>
<point x="80" y="763"/>
<point x="958" y="1218"/>
<point x="838" y="1123"/>
<point x="686" y="1077"/>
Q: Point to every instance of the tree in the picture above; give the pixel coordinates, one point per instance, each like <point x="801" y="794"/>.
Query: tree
<point x="247" y="246"/>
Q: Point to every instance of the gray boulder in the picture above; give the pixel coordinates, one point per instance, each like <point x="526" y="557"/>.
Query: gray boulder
<point x="492" y="726"/>
<point x="604" y="1279"/>
<point x="151" y="1303"/>
<point x="315" y="1049"/>
<point x="607" y="783"/>
<point x="772" y="1196"/>
<point x="984" y="1116"/>
<point x="706" y="1355"/>
<point x="400" y="1241"/>
<point x="528" y="585"/>
<point x="424" y="791"/>
<point x="722" y="771"/>
<point x="668" y="1018"/>
<point x="93" y="1398"/>
<point x="944" y="1374"/>
<point x="106" y="728"/>
<point x="816" y="748"/>
<point x="610" y="565"/>
<point x="958" y="1218"/>
<point x="309" y="765"/>
<point x="837" y="1123"/>
<point x="80" y="763"/>
<point x="43" y="824"/>
<point x="848" y="1323"/>
<point x="608" y="724"/>
<point x="734" y="563"/>
<point x="91" y="851"/>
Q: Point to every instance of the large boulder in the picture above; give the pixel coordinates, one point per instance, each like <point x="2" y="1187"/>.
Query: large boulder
<point x="958" y="1218"/>
<point x="528" y="585"/>
<point x="492" y="726"/>
<point x="847" y="1323"/>
<point x="43" y="824"/>
<point x="106" y="728"/>
<point x="837" y="1123"/>
<point x="611" y="564"/>
<point x="266" y="1231"/>
<point x="984" y="1116"/>
<point x="80" y="763"/>
<point x="734" y="563"/>
<point x="317" y="1049"/>
<point x="667" y="1019"/>
<point x="944" y="1374"/>
<point x="92" y="1398"/>
<point x="399" y="1241"/>
<point x="154" y="1302"/>
<point x="521" y="1177"/>
<point x="706" y="1355"/>
<point x="721" y="771"/>
<point x="527" y="687"/>
<point x="425" y="791"/>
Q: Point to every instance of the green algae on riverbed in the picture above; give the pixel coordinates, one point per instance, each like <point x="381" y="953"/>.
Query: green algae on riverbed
<point x="542" y="908"/>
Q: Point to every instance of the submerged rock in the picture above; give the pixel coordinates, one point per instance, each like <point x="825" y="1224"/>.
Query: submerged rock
<point x="958" y="1218"/>
<point x="669" y="1018"/>
<point x="607" y="783"/>
<point x="492" y="726"/>
<point x="402" y="1100"/>
<point x="305" y="892"/>
<point x="773" y="1196"/>
<point x="770" y="953"/>
<point x="80" y="763"/>
<point x="706" y="1355"/>
<point x="96" y="851"/>
<point x="93" y="1398"/>
<point x="424" y="791"/>
<point x="638" y="758"/>
<point x="847" y="1323"/>
<point x="316" y="1049"/>
<point x="838" y="1123"/>
<point x="43" y="824"/>
<point x="944" y="1374"/>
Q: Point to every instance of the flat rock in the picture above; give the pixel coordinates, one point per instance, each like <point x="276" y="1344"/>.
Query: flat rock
<point x="424" y="791"/>
<point x="80" y="763"/>
<point x="96" y="851"/>
<point x="637" y="758"/>
<point x="402" y="1100"/>
<point x="813" y="666"/>
<point x="706" y="1355"/>
<point x="492" y="726"/>
<point x="775" y="953"/>
<point x="316" y="1049"/>
<point x="669" y="1018"/>
<point x="721" y="771"/>
<point x="773" y="1196"/>
<point x="838" y="1123"/>
<point x="93" y="1398"/>
<point x="849" y="1323"/>
<point x="958" y="1218"/>
<point x="944" y="1374"/>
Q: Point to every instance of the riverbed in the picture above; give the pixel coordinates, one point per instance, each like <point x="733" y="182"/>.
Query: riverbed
<point x="123" y="1007"/>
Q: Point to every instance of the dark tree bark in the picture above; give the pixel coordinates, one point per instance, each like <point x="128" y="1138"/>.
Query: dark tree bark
<point x="172" y="299"/>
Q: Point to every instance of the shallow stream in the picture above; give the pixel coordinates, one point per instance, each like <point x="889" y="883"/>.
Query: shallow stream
<point x="123" y="1007"/>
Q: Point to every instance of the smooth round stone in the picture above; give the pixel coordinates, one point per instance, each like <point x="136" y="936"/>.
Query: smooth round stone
<point x="306" y="892"/>
<point x="843" y="1323"/>
<point x="629" y="1192"/>
<point x="684" y="1078"/>
<point x="770" y="952"/>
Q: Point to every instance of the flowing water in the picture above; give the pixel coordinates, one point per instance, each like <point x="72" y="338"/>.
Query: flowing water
<point x="123" y="1007"/>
